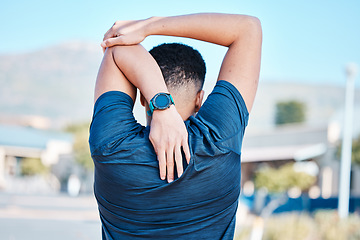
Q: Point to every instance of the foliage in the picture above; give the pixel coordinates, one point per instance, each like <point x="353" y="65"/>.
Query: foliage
<point x="283" y="178"/>
<point x="32" y="166"/>
<point x="324" y="225"/>
<point x="355" y="155"/>
<point x="289" y="112"/>
<point x="290" y="226"/>
<point x="242" y="233"/>
<point x="331" y="227"/>
<point x="81" y="146"/>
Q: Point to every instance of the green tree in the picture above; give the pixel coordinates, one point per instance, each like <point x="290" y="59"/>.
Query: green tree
<point x="32" y="166"/>
<point x="289" y="112"/>
<point x="283" y="178"/>
<point x="81" y="146"/>
<point x="355" y="154"/>
<point x="355" y="157"/>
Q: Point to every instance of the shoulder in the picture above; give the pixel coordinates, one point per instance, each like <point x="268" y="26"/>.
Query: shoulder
<point x="113" y="119"/>
<point x="223" y="117"/>
<point x="224" y="99"/>
<point x="226" y="88"/>
<point x="112" y="98"/>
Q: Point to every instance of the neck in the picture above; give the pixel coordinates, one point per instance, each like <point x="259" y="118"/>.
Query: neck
<point x="184" y="115"/>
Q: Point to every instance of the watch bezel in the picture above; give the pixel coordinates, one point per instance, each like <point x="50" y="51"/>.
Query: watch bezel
<point x="167" y="105"/>
<point x="152" y="104"/>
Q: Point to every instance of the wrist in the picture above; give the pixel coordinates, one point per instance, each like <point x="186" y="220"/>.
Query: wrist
<point x="151" y="25"/>
<point x="168" y="110"/>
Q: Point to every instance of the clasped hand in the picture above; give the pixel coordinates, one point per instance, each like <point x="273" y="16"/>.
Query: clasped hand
<point x="125" y="33"/>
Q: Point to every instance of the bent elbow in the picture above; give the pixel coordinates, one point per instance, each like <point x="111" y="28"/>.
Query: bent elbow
<point x="254" y="26"/>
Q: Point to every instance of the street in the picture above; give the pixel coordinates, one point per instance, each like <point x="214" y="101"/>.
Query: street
<point x="54" y="217"/>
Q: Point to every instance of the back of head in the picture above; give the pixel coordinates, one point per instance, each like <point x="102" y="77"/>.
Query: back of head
<point x="183" y="67"/>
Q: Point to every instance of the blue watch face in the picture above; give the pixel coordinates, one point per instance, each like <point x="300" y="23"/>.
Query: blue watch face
<point x="162" y="101"/>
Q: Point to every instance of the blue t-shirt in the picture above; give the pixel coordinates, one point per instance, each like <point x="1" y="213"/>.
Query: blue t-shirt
<point x="134" y="203"/>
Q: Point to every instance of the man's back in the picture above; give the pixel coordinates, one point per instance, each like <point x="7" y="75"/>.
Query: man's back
<point x="134" y="203"/>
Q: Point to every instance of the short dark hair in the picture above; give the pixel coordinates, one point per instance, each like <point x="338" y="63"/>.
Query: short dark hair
<point x="180" y="65"/>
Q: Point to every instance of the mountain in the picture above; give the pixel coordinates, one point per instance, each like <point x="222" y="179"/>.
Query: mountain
<point x="58" y="82"/>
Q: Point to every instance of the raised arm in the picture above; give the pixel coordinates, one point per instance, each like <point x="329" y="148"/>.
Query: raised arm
<point x="240" y="33"/>
<point x="125" y="68"/>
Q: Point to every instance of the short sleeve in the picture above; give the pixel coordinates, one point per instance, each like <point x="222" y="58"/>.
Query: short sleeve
<point x="113" y="119"/>
<point x="225" y="114"/>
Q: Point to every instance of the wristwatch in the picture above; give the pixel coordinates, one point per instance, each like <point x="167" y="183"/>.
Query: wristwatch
<point x="160" y="101"/>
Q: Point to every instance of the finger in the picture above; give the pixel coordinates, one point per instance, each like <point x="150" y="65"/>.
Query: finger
<point x="162" y="164"/>
<point x="170" y="164"/>
<point x="112" y="42"/>
<point x="186" y="149"/>
<point x="108" y="34"/>
<point x="178" y="161"/>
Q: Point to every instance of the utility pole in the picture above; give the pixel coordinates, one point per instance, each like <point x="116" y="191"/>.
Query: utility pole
<point x="345" y="171"/>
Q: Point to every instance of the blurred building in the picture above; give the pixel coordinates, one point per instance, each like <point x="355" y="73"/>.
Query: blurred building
<point x="313" y="147"/>
<point x="19" y="142"/>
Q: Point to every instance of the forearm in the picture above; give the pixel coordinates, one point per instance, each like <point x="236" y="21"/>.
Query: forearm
<point x="221" y="29"/>
<point x="140" y="69"/>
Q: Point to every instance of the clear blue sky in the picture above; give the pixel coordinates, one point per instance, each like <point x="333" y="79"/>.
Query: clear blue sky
<point x="308" y="41"/>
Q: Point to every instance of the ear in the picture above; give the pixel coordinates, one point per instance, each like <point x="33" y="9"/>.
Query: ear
<point x="142" y="100"/>
<point x="146" y="105"/>
<point x="198" y="100"/>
